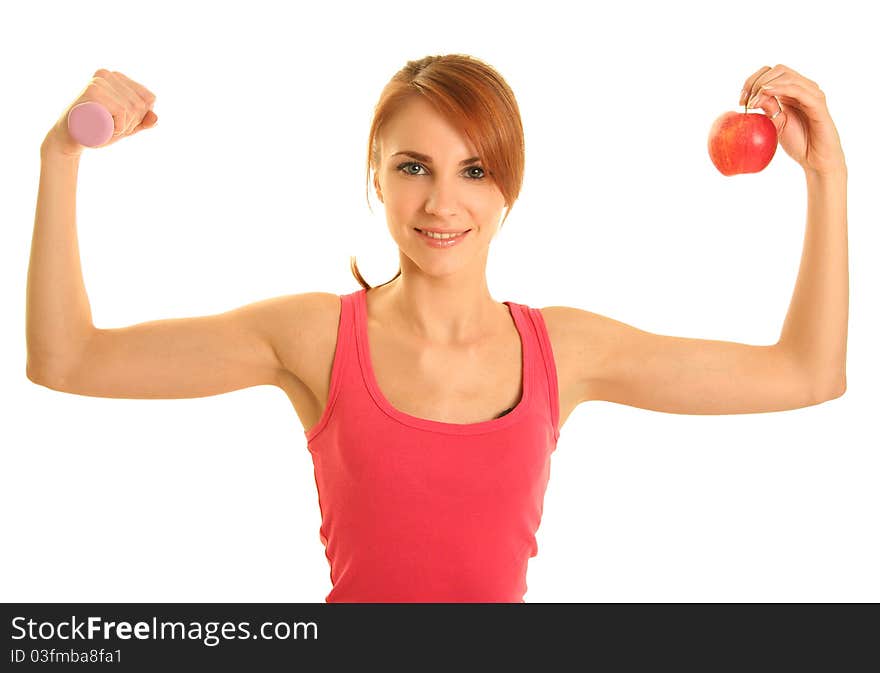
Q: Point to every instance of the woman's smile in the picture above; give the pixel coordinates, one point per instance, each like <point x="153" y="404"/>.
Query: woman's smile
<point x="444" y="240"/>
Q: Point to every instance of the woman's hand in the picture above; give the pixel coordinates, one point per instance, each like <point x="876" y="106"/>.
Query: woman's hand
<point x="129" y="103"/>
<point x="805" y="129"/>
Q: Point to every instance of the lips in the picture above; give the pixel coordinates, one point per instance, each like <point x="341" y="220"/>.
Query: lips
<point x="442" y="231"/>
<point x="442" y="242"/>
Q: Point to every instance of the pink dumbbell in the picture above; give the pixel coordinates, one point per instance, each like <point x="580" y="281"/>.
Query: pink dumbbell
<point x="90" y="124"/>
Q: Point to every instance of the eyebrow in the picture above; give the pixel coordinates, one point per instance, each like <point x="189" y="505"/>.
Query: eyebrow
<point x="427" y="159"/>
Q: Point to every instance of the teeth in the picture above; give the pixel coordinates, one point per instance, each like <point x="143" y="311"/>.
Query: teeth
<point x="441" y="236"/>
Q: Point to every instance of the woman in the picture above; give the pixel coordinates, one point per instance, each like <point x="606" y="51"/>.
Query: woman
<point x="430" y="409"/>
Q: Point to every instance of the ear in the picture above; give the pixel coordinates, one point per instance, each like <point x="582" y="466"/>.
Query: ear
<point x="378" y="187"/>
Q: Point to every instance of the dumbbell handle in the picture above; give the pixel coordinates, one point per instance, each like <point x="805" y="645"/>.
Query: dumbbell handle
<point x="90" y="124"/>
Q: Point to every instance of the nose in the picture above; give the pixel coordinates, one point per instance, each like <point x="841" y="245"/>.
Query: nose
<point x="442" y="199"/>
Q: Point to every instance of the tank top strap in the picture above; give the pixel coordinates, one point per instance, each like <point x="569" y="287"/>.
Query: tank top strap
<point x="544" y="367"/>
<point x="352" y="378"/>
<point x="343" y="357"/>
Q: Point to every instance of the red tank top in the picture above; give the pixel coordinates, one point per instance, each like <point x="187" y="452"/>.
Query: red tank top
<point x="416" y="510"/>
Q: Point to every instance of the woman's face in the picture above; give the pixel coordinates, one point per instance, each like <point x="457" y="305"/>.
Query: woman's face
<point x="443" y="189"/>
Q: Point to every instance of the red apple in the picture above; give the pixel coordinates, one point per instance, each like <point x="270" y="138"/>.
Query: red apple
<point x="740" y="142"/>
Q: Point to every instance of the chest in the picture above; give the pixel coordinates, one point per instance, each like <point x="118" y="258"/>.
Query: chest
<point x="459" y="385"/>
<point x="452" y="385"/>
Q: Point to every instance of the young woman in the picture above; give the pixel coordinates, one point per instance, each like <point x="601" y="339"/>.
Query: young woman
<point x="430" y="409"/>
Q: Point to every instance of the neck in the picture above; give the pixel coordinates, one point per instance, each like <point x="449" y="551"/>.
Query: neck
<point x="448" y="310"/>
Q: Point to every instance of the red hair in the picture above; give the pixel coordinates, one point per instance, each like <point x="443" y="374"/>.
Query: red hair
<point x="476" y="100"/>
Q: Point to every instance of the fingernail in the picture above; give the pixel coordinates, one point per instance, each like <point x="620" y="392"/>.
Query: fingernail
<point x="742" y="95"/>
<point x="754" y="100"/>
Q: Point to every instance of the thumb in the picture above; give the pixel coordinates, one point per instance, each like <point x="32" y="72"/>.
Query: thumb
<point x="148" y="122"/>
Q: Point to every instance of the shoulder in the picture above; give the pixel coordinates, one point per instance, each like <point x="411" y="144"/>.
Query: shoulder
<point x="582" y="345"/>
<point x="572" y="327"/>
<point x="304" y="328"/>
<point x="306" y="311"/>
<point x="567" y="328"/>
<point x="565" y="324"/>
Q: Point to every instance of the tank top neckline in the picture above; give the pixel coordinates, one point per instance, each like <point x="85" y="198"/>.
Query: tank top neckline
<point x="369" y="375"/>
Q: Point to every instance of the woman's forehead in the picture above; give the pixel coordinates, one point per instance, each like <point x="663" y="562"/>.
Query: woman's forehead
<point x="420" y="128"/>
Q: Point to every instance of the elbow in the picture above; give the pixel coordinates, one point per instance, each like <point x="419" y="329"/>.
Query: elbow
<point x="36" y="376"/>
<point x="831" y="389"/>
<point x="839" y="390"/>
<point x="54" y="368"/>
<point x="41" y="375"/>
<point x="33" y="372"/>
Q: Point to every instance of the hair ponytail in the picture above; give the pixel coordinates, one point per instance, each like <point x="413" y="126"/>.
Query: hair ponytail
<point x="360" y="278"/>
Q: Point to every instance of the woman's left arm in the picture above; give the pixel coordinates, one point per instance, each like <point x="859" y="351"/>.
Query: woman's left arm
<point x="620" y="363"/>
<point x="815" y="328"/>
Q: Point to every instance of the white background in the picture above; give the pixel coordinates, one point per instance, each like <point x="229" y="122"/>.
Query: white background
<point x="252" y="185"/>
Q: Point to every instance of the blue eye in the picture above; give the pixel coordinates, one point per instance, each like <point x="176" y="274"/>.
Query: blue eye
<point x="402" y="167"/>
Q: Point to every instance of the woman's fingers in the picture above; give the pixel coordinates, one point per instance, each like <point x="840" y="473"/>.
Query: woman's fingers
<point x="750" y="82"/>
<point x="149" y="121"/>
<point x="111" y="98"/>
<point x="792" y="93"/>
<point x="770" y="76"/>
<point x="790" y="88"/>
<point x="148" y="96"/>
<point x="130" y="101"/>
<point x="135" y="107"/>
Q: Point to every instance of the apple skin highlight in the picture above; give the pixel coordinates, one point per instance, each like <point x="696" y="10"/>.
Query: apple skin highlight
<point x="742" y="143"/>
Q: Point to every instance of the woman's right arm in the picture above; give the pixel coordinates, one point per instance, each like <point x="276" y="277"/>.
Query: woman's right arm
<point x="183" y="357"/>
<point x="172" y="358"/>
